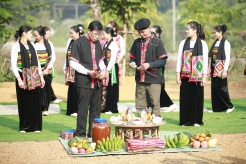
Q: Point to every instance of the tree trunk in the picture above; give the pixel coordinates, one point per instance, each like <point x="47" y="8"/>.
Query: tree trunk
<point x="96" y="9"/>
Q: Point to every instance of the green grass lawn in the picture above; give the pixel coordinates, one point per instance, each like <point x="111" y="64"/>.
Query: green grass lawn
<point x="217" y="123"/>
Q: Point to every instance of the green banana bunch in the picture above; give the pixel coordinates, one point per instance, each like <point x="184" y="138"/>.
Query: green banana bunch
<point x="177" y="142"/>
<point x="183" y="140"/>
<point x="111" y="144"/>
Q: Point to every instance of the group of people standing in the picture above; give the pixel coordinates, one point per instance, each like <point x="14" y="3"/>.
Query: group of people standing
<point x="32" y="65"/>
<point x="92" y="65"/>
<point x="194" y="64"/>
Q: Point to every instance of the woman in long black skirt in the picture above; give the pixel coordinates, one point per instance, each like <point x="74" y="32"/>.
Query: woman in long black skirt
<point x="29" y="79"/>
<point x="165" y="100"/>
<point x="192" y="64"/>
<point x="46" y="55"/>
<point x="110" y="49"/>
<point x="219" y="58"/>
<point x="72" y="102"/>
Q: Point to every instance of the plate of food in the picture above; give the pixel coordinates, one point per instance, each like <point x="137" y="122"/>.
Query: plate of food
<point x="114" y="152"/>
<point x="82" y="153"/>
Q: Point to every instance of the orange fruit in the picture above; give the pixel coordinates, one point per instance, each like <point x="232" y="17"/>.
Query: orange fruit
<point x="89" y="149"/>
<point x="201" y="139"/>
<point x="202" y="135"/>
<point x="196" y="137"/>
<point x="206" y="138"/>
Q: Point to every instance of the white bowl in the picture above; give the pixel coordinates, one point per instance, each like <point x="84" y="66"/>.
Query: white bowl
<point x="137" y="122"/>
<point x="113" y="119"/>
<point x="157" y="120"/>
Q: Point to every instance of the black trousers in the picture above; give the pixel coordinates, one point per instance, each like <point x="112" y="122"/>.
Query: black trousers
<point x="191" y="103"/>
<point x="220" y="96"/>
<point x="72" y="101"/>
<point x="89" y="102"/>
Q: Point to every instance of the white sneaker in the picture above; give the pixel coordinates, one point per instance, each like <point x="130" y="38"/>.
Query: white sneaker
<point x="171" y="108"/>
<point x="57" y="101"/>
<point x="196" y="125"/>
<point x="37" y="131"/>
<point x="74" y="114"/>
<point x="210" y="111"/>
<point x="22" y="131"/>
<point x="230" y="110"/>
<point x="108" y="112"/>
<point x="45" y="113"/>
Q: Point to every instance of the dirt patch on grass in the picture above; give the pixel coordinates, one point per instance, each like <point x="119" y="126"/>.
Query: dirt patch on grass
<point x="232" y="151"/>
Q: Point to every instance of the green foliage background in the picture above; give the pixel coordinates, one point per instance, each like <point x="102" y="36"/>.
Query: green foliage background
<point x="209" y="13"/>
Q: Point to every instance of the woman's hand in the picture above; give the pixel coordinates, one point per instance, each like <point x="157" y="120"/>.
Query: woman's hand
<point x="65" y="72"/>
<point x="20" y="83"/>
<point x="42" y="81"/>
<point x="178" y="80"/>
<point x="204" y="80"/>
<point x="46" y="71"/>
<point x="224" y="74"/>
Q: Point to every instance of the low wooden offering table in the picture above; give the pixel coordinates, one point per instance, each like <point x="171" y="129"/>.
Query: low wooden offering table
<point x="130" y="131"/>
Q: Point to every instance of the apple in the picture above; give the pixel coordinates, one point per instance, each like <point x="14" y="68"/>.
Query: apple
<point x="74" y="150"/>
<point x="204" y="144"/>
<point x="196" y="144"/>
<point x="81" y="151"/>
<point x="212" y="142"/>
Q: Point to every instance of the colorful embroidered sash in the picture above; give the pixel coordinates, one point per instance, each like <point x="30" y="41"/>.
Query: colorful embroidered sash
<point x="29" y="63"/>
<point x="216" y="59"/>
<point x="144" y="47"/>
<point x="70" y="72"/>
<point x="192" y="66"/>
<point x="186" y="67"/>
<point x="192" y="61"/>
<point x="93" y="56"/>
<point x="217" y="65"/>
<point x="31" y="77"/>
<point x="107" y="53"/>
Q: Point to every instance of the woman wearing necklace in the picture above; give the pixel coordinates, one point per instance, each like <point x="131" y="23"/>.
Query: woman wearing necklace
<point x="191" y="71"/>
<point x="219" y="59"/>
<point x="72" y="103"/>
<point x="110" y="49"/>
<point x="47" y="57"/>
<point x="29" y="79"/>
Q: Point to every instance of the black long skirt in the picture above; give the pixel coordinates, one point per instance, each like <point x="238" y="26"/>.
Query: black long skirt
<point x="165" y="100"/>
<point x="220" y="95"/>
<point x="29" y="109"/>
<point x="46" y="92"/>
<point x="72" y="100"/>
<point x="191" y="103"/>
<point x="112" y="94"/>
<point x="53" y="96"/>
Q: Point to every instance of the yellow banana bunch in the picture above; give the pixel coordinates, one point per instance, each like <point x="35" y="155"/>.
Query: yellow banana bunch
<point x="124" y="117"/>
<point x="111" y="144"/>
<point x="181" y="141"/>
<point x="149" y="117"/>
